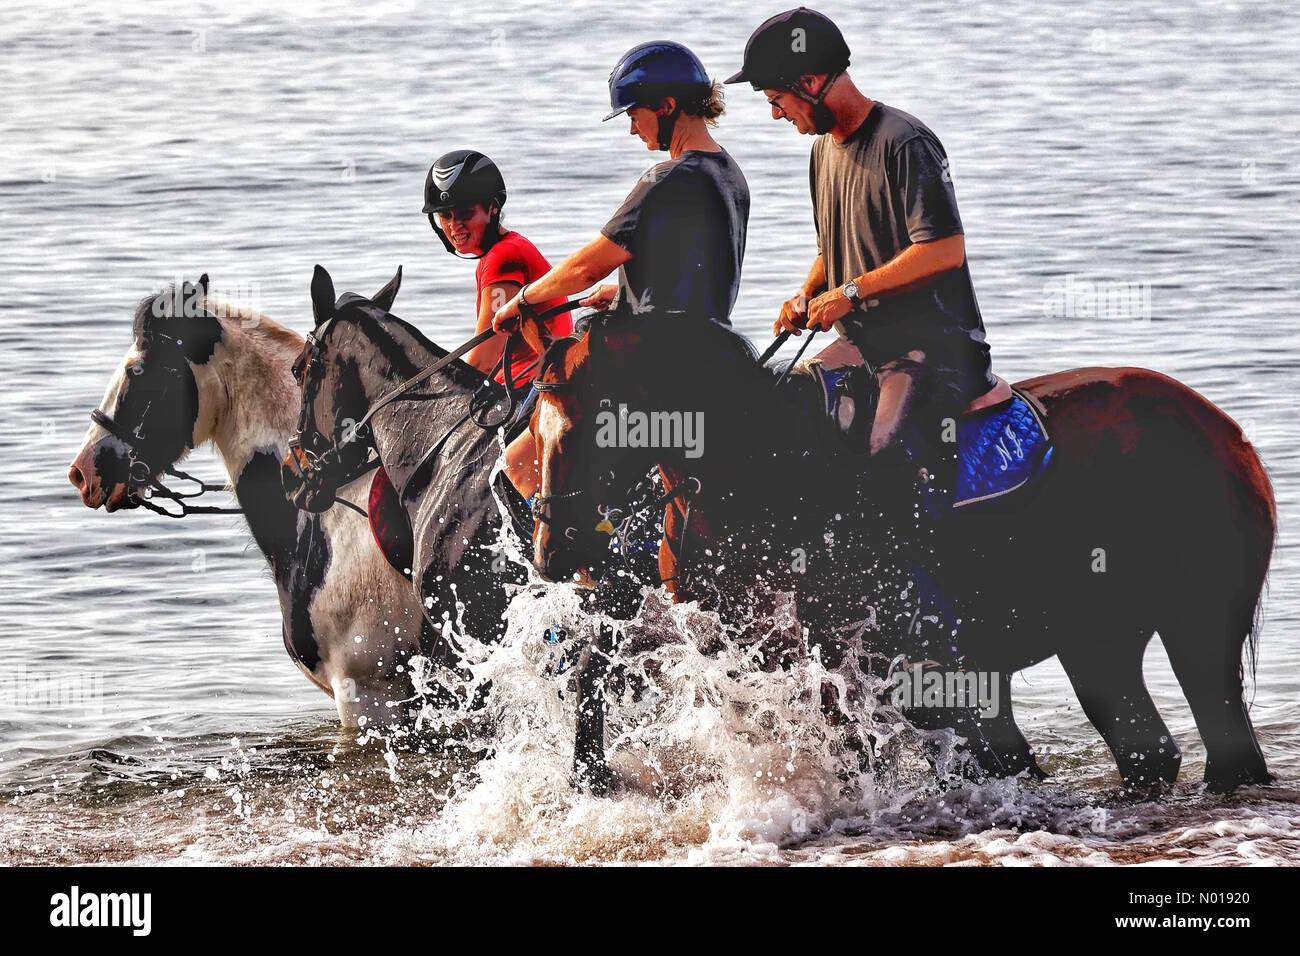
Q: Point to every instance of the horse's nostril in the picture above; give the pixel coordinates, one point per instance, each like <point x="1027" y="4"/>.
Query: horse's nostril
<point x="76" y="477"/>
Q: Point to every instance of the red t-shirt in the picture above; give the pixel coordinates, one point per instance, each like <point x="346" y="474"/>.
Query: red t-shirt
<point x="514" y="259"/>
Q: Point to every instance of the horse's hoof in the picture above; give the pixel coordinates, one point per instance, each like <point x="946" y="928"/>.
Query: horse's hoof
<point x="593" y="778"/>
<point x="1216" y="782"/>
<point x="1146" y="791"/>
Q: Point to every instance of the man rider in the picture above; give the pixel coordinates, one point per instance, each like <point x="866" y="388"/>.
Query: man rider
<point x="890" y="274"/>
<point x="891" y="277"/>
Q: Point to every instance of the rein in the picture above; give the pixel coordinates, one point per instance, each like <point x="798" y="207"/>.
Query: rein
<point x="479" y="405"/>
<point x="142" y="475"/>
<point x="616" y="522"/>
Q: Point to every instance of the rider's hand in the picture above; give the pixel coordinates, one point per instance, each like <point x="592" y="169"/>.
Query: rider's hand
<point x="794" y="313"/>
<point x="506" y="317"/>
<point x="602" y="298"/>
<point x="827" y="309"/>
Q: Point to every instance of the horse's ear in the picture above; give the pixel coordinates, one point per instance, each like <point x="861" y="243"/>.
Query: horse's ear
<point x="322" y="295"/>
<point x="203" y="284"/>
<point x="535" y="335"/>
<point x="385" y="296"/>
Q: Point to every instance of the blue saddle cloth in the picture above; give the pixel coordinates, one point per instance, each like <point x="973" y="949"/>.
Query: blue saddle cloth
<point x="999" y="450"/>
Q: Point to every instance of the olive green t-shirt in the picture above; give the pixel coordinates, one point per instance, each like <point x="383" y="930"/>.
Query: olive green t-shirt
<point x="881" y="190"/>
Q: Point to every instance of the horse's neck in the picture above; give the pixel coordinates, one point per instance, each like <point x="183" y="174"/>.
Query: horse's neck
<point x="248" y="398"/>
<point x="248" y="409"/>
<point x="763" y="473"/>
<point x="405" y="429"/>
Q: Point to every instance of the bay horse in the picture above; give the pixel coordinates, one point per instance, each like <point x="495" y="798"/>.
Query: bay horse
<point x="1156" y="514"/>
<point x="202" y="372"/>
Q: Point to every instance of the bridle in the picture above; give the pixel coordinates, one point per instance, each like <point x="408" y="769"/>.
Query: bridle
<point x="308" y="464"/>
<point x="616" y="521"/>
<point x="312" y="473"/>
<point x="140" y="472"/>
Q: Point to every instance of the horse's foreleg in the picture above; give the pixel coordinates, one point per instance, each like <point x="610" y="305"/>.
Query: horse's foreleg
<point x="987" y="726"/>
<point x="1106" y="674"/>
<point x="590" y="771"/>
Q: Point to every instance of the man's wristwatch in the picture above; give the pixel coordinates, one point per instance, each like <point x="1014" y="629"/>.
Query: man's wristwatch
<point x="850" y="292"/>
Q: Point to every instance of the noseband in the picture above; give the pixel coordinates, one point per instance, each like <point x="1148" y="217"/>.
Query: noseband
<point x="140" y="472"/>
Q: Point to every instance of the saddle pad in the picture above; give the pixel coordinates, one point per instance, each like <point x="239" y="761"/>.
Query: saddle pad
<point x="389" y="524"/>
<point x="999" y="450"/>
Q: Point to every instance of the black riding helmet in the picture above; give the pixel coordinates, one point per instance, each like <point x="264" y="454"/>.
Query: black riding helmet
<point x="790" y="45"/>
<point x="461" y="178"/>
<point x="646" y="74"/>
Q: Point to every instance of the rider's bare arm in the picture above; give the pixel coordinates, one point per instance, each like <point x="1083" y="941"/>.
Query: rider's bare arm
<point x="913" y="267"/>
<point x="794" y="310"/>
<point x="580" y="271"/>
<point x="485" y="357"/>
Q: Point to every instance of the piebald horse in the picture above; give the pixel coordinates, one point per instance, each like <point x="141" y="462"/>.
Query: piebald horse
<point x="200" y="372"/>
<point x="431" y="446"/>
<point x="1155" y="514"/>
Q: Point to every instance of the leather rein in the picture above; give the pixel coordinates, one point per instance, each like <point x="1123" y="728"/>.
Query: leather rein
<point x="616" y="522"/>
<point x="480" y="405"/>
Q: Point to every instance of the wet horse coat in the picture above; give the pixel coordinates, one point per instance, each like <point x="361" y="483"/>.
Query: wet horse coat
<point x="214" y="373"/>
<point x="1155" y="515"/>
<point x="437" y="458"/>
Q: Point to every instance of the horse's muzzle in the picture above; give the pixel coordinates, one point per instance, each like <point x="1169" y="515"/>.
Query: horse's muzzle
<point x="101" y="475"/>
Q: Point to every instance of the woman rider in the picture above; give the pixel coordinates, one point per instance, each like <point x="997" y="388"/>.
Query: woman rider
<point x="678" y="240"/>
<point x="463" y="195"/>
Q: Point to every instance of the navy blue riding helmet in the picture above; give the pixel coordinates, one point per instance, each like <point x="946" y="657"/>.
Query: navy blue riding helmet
<point x="645" y="74"/>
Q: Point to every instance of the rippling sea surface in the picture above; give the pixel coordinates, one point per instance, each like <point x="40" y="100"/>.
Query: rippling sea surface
<point x="1151" y="146"/>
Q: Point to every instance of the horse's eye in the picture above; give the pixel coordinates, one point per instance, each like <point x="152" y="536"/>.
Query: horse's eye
<point x="296" y="371"/>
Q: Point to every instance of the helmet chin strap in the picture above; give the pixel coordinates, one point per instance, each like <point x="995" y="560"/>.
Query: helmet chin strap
<point x="823" y="118"/>
<point x="821" y="94"/>
<point x="666" y="126"/>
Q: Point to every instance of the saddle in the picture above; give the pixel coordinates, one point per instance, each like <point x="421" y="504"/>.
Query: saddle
<point x="1003" y="444"/>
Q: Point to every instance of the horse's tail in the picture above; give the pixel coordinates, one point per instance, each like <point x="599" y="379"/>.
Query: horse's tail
<point x="1242" y="484"/>
<point x="1258" y="482"/>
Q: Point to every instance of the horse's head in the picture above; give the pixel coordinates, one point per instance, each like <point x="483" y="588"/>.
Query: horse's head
<point x="330" y="448"/>
<point x="584" y="384"/>
<point x="151" y="414"/>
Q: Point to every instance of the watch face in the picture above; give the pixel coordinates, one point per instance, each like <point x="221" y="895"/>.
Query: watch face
<point x="850" y="291"/>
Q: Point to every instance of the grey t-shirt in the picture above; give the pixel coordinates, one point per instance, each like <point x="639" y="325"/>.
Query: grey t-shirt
<point x="881" y="190"/>
<point x="684" y="224"/>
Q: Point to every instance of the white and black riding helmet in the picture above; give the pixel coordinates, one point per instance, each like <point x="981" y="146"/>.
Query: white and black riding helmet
<point x="461" y="178"/>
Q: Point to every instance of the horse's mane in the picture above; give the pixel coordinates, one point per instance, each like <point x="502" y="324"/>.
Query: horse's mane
<point x="709" y="335"/>
<point x="246" y="320"/>
<point x="686" y="336"/>
<point x="382" y="323"/>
